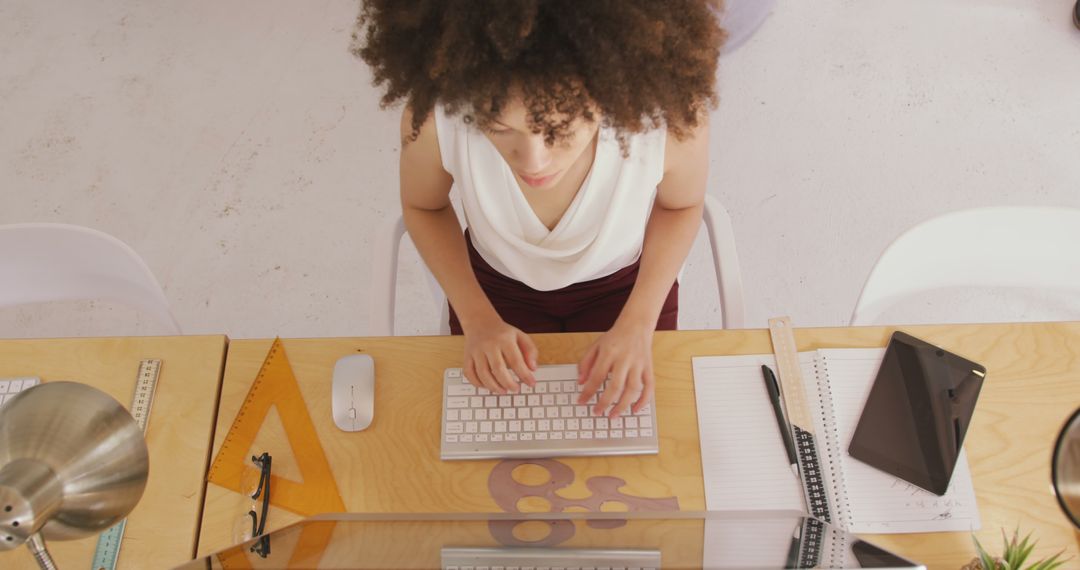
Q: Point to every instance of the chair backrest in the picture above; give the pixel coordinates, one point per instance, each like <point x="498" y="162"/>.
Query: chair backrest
<point x="60" y="262"/>
<point x="1034" y="248"/>
<point x="725" y="258"/>
<point x="384" y="270"/>
<point x="388" y="244"/>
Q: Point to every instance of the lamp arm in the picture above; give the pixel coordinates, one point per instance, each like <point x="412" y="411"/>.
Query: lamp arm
<point x="36" y="544"/>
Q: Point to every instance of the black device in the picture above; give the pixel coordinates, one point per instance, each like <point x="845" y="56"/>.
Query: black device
<point x="919" y="409"/>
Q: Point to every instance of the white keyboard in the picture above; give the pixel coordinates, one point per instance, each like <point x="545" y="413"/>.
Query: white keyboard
<point x="460" y="558"/>
<point x="537" y="422"/>
<point x="11" y="386"/>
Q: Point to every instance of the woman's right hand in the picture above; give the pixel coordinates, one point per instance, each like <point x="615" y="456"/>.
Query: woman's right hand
<point x="494" y="349"/>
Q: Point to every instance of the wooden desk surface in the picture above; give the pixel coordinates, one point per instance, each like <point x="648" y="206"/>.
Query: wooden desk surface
<point x="162" y="530"/>
<point x="1033" y="385"/>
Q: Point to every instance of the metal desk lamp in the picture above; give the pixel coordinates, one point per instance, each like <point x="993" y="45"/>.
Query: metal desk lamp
<point x="73" y="462"/>
<point x="1065" y="469"/>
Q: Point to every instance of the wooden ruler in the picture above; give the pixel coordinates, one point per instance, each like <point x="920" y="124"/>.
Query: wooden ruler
<point x="275" y="386"/>
<point x="108" y="545"/>
<point x="802" y="428"/>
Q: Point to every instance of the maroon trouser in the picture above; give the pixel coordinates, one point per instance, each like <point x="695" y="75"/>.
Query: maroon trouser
<point x="591" y="306"/>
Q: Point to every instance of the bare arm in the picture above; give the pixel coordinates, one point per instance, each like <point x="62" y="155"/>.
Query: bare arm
<point x="492" y="346"/>
<point x="432" y="224"/>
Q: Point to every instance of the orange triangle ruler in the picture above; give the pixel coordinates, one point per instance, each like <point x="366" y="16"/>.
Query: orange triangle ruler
<point x="276" y="386"/>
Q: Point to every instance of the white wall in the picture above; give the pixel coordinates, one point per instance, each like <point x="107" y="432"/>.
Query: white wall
<point x="239" y="148"/>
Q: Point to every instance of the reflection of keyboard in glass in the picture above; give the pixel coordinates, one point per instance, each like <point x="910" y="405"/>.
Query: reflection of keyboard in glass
<point x="459" y="558"/>
<point x="9" y="387"/>
<point x="540" y="421"/>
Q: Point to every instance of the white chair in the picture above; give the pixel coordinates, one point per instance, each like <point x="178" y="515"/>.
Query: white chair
<point x="60" y="262"/>
<point x="1034" y="248"/>
<point x="385" y="267"/>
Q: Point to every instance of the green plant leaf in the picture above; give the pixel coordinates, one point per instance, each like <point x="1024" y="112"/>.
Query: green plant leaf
<point x="984" y="557"/>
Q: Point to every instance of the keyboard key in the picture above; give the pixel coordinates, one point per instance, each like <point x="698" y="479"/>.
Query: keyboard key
<point x="451" y="438"/>
<point x="495" y="413"/>
<point x="505" y="401"/>
<point x="457" y="402"/>
<point x="452" y="415"/>
<point x="471" y="427"/>
<point x="500" y="427"/>
<point x="646" y="421"/>
<point x="481" y="414"/>
<point x="496" y="437"/>
<point x="466" y="415"/>
<point x="631" y="422"/>
<point x="491" y="401"/>
<point x="4" y="386"/>
<point x="524" y="413"/>
<point x="481" y="437"/>
<point x="529" y="425"/>
<point x="466" y="438"/>
<point x="461" y="390"/>
<point x="455" y="427"/>
<point x="510" y="414"/>
<point x="541" y="388"/>
<point x="453" y="373"/>
<point x="485" y="427"/>
<point x="476" y="402"/>
<point x="541" y="436"/>
<point x="562" y="399"/>
<point x="646" y="433"/>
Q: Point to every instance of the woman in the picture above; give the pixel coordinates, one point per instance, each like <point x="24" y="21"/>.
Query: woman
<point x="575" y="133"/>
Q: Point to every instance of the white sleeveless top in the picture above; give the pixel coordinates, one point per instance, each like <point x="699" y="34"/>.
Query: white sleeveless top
<point x="601" y="231"/>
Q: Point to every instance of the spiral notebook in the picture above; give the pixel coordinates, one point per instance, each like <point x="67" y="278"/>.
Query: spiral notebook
<point x="746" y="468"/>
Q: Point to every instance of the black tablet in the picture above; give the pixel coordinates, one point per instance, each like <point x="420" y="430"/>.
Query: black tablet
<point x="918" y="411"/>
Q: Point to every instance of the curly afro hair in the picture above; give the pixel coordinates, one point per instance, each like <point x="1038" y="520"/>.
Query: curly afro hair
<point x="639" y="64"/>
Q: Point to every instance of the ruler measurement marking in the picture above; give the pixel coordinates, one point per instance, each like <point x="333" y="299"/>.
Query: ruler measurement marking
<point x="794" y="396"/>
<point x="107" y="550"/>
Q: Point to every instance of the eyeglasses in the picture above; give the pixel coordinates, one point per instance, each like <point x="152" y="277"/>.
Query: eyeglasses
<point x="253" y="524"/>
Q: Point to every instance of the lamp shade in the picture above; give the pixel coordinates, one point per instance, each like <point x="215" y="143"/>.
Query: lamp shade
<point x="73" y="462"/>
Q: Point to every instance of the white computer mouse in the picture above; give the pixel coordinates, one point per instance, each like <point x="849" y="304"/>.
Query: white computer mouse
<point x="353" y="392"/>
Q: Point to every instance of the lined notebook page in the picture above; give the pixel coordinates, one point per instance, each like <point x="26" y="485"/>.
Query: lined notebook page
<point x="879" y="502"/>
<point x="743" y="460"/>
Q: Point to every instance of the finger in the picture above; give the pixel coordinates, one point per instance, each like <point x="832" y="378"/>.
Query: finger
<point x="516" y="360"/>
<point x="471" y="375"/>
<point x="598" y="373"/>
<point x="586" y="364"/>
<point x="529" y="351"/>
<point x="631" y="393"/>
<point x="501" y="373"/>
<point x="615" y="387"/>
<point x="483" y="372"/>
<point x="648" y="393"/>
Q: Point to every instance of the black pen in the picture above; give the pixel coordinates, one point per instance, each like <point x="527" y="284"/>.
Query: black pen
<point x="785" y="431"/>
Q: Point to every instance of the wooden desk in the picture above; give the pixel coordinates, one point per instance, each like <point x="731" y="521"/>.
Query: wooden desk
<point x="1033" y="385"/>
<point x="163" y="528"/>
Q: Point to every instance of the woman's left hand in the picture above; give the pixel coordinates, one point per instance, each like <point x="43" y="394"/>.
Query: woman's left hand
<point x="623" y="355"/>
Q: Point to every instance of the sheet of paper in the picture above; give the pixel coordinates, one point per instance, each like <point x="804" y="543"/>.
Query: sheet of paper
<point x="743" y="460"/>
<point x="879" y="502"/>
